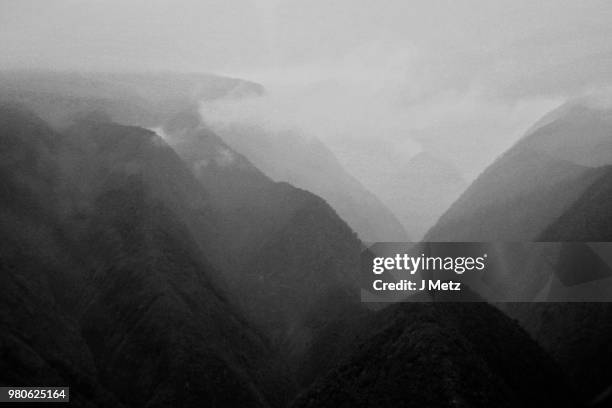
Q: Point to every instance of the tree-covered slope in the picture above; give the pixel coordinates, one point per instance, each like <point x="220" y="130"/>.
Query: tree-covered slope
<point x="127" y="305"/>
<point x="441" y="355"/>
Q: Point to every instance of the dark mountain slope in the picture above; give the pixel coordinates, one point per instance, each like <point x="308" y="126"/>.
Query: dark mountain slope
<point x="161" y="257"/>
<point x="514" y="199"/>
<point x="533" y="183"/>
<point x="173" y="337"/>
<point x="543" y="190"/>
<point x="233" y="214"/>
<point x="307" y="163"/>
<point x="440" y="355"/>
<point x="156" y="221"/>
<point x="144" y="314"/>
<point x="578" y="132"/>
<point x="150" y="100"/>
<point x="40" y="338"/>
<point x="578" y="336"/>
<point x="589" y="218"/>
<point x="336" y="325"/>
<point x="281" y="248"/>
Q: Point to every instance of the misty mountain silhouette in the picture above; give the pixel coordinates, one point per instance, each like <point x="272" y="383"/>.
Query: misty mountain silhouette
<point x="281" y="248"/>
<point x="155" y="270"/>
<point x="588" y="218"/>
<point x="306" y="162"/>
<point x="143" y="99"/>
<point x="559" y="133"/>
<point x="40" y="341"/>
<point x="553" y="185"/>
<point x="530" y="185"/>
<point x="121" y="277"/>
<point x="137" y="216"/>
<point x="150" y="100"/>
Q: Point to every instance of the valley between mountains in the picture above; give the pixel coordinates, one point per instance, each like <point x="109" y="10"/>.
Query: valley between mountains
<point x="149" y="261"/>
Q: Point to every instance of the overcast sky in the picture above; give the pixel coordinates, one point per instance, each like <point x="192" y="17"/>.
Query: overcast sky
<point x="242" y="35"/>
<point x="403" y="70"/>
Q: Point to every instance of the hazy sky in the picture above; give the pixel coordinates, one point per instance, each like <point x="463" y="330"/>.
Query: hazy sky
<point x="406" y="73"/>
<point x="242" y="35"/>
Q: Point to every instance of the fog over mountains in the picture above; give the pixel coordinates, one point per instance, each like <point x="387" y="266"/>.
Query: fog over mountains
<point x="536" y="180"/>
<point x="307" y="163"/>
<point x="186" y="189"/>
<point x="551" y="186"/>
<point x="245" y="289"/>
<point x="376" y="86"/>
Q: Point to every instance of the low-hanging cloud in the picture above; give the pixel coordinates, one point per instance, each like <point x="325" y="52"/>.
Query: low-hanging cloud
<point x="381" y="104"/>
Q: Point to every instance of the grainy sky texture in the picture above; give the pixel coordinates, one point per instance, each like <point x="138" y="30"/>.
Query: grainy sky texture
<point x="240" y="35"/>
<point x="464" y="72"/>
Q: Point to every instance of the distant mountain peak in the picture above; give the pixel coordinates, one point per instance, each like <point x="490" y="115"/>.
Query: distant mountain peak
<point x="579" y="131"/>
